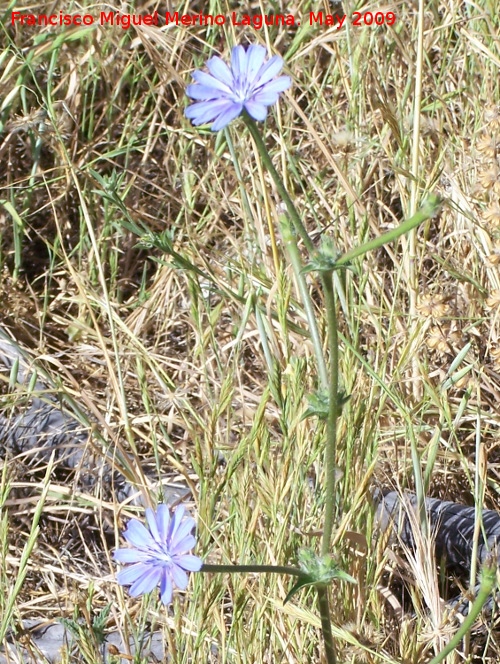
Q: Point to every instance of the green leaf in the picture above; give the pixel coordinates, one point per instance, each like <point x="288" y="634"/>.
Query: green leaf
<point x="301" y="583"/>
<point x="318" y="571"/>
<point x="319" y="404"/>
<point x="99" y="624"/>
<point x="325" y="259"/>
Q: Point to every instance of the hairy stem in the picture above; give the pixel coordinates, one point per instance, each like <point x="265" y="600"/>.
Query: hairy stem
<point x="326" y="627"/>
<point x="259" y="569"/>
<point x="332" y="381"/>
<point x="333" y="411"/>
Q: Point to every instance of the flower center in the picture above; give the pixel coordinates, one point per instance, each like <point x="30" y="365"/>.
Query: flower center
<point x="240" y="89"/>
<point x="161" y="556"/>
<point x="166" y="558"/>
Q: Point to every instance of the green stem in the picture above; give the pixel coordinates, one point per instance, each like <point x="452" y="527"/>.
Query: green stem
<point x="332" y="381"/>
<point x="332" y="329"/>
<point x="333" y="411"/>
<point x="487" y="583"/>
<point x="260" y="569"/>
<point x="428" y="209"/>
<point x="326" y="626"/>
<point x="267" y="161"/>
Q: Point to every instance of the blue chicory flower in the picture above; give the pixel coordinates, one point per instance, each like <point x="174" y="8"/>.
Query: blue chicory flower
<point x="224" y="93"/>
<point x="160" y="553"/>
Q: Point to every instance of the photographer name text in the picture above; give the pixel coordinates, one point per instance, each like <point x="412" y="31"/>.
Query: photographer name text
<point x="257" y="21"/>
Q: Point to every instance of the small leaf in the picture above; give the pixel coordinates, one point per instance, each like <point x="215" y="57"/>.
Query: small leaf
<point x="322" y="568"/>
<point x="319" y="404"/>
<point x="325" y="260"/>
<point x="318" y="571"/>
<point x="301" y="583"/>
<point x="99" y="624"/>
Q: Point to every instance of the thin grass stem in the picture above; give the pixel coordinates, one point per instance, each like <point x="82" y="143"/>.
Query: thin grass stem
<point x="296" y="261"/>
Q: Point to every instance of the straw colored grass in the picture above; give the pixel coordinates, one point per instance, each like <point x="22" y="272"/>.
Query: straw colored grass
<point x="139" y="267"/>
